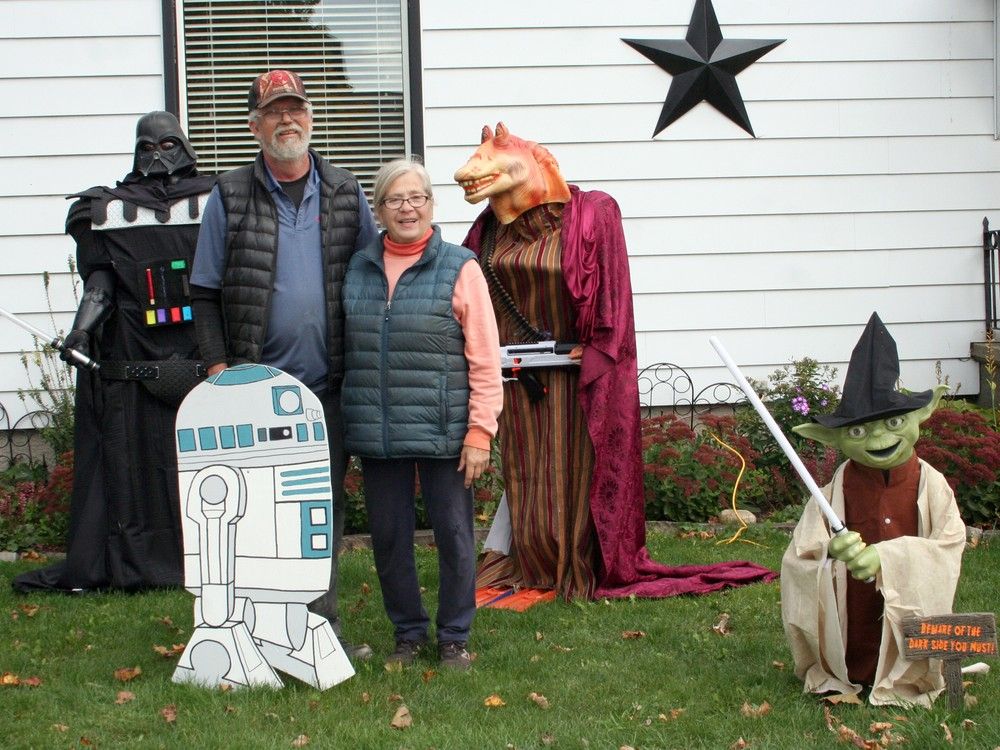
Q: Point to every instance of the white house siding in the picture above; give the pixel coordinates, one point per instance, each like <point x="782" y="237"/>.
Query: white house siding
<point x="865" y="189"/>
<point x="74" y="77"/>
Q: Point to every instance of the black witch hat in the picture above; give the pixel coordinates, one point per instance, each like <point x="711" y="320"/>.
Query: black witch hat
<point x="870" y="386"/>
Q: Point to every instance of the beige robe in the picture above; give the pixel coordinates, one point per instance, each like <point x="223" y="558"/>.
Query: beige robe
<point x="918" y="577"/>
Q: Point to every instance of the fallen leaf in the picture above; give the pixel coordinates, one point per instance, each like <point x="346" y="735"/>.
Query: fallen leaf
<point x="402" y="719"/>
<point x="846" y="734"/>
<point x="428" y="675"/>
<point x="778" y="664"/>
<point x="229" y="709"/>
<point x="539" y="635"/>
<point x="494" y="701"/>
<point x="301" y="741"/>
<point x="165" y="620"/>
<point x="29" y="610"/>
<point x="752" y="710"/>
<point x="313" y="705"/>
<point x="60" y="727"/>
<point x="947" y="733"/>
<point x="557" y="647"/>
<point x="126" y="675"/>
<point x="740" y="744"/>
<point x="169" y="713"/>
<point x="365" y="588"/>
<point x="394" y="698"/>
<point x="722" y="624"/>
<point x="547" y="739"/>
<point x="366" y="697"/>
<point x="225" y="687"/>
<point x="33" y="556"/>
<point x="626" y="747"/>
<point x="539" y="700"/>
<point x="10" y="679"/>
<point x="169" y="652"/>
<point x="534" y="658"/>
<point x="831" y="720"/>
<point x="86" y="742"/>
<point x="849" y="698"/>
<point x="124" y="696"/>
<point x="393" y="666"/>
<point x="968" y="724"/>
<point x="879" y="726"/>
<point x="673" y="715"/>
<point x="631" y="635"/>
<point x="32" y="682"/>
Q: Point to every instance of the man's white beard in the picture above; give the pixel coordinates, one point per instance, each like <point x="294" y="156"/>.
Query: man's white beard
<point x="287" y="150"/>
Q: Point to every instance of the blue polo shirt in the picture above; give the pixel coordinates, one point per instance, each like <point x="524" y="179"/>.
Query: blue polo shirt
<point x="296" y="336"/>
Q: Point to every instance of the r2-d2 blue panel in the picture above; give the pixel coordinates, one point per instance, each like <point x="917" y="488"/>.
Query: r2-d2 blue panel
<point x="254" y="474"/>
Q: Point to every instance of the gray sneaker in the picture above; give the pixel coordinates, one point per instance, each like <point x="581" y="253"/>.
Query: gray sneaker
<point x="356" y="651"/>
<point x="453" y="655"/>
<point x="404" y="654"/>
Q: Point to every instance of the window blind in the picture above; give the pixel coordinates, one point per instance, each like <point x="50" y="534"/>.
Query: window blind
<point x="349" y="54"/>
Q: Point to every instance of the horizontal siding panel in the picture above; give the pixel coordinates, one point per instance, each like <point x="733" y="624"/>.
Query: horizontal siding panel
<point x="34" y="215"/>
<point x="34" y="254"/>
<point x="457" y="125"/>
<point x="44" y="58"/>
<point x="26" y="294"/>
<point x="458" y="14"/>
<point x="48" y="136"/>
<point x="797" y="308"/>
<point x="762" y="81"/>
<point x="116" y="94"/>
<point x="757" y="349"/>
<point x="803" y="43"/>
<point x="798" y="195"/>
<point x="774" y="158"/>
<point x="47" y="175"/>
<point x="27" y="19"/>
<point x="815" y="270"/>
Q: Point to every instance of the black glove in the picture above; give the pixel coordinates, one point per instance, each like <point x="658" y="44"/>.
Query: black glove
<point x="75" y="339"/>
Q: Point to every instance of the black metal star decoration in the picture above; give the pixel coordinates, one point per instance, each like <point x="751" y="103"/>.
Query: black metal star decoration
<point x="704" y="67"/>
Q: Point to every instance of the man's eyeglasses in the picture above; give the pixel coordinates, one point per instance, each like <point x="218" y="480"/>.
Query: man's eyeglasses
<point x="276" y="114"/>
<point x="417" y="201"/>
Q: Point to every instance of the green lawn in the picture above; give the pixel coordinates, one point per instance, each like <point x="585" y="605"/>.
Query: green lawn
<point x="681" y="685"/>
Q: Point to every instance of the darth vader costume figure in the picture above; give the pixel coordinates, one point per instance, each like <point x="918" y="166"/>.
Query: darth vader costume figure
<point x="134" y="247"/>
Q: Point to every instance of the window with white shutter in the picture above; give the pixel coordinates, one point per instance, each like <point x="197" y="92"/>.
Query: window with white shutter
<point x="349" y="53"/>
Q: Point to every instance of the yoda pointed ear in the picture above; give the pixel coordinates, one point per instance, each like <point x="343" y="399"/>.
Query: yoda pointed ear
<point x="819" y="433"/>
<point x="925" y="411"/>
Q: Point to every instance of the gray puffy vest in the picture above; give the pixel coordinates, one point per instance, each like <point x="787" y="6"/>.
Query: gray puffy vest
<point x="251" y="255"/>
<point x="406" y="387"/>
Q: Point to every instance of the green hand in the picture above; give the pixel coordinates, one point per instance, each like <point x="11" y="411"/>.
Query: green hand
<point x="845" y="547"/>
<point x="866" y="564"/>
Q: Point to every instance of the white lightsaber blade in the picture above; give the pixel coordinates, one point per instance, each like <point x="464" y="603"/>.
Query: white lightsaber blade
<point x="54" y="341"/>
<point x="836" y="525"/>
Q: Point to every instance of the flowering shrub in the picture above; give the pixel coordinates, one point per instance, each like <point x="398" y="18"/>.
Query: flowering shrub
<point x="963" y="445"/>
<point x="34" y="511"/>
<point x="793" y="394"/>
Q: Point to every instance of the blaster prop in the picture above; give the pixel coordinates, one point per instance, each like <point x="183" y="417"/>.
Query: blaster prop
<point x="836" y="525"/>
<point x="54" y="341"/>
<point x="540" y="354"/>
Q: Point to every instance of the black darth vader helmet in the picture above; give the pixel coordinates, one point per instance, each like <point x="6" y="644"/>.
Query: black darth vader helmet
<point x="161" y="148"/>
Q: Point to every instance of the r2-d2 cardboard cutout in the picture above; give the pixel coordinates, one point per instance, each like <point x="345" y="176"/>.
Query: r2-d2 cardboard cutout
<point x="256" y="501"/>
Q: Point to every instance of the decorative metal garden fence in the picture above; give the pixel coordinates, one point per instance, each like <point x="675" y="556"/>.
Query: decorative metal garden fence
<point x="17" y="441"/>
<point x="665" y="385"/>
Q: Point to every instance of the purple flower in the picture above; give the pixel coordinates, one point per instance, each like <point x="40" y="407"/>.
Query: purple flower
<point x="800" y="405"/>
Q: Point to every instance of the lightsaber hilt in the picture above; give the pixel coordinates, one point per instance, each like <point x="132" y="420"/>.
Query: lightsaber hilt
<point x="836" y="525"/>
<point x="54" y="341"/>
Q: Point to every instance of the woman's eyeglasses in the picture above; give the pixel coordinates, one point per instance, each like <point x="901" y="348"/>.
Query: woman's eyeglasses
<point x="417" y="201"/>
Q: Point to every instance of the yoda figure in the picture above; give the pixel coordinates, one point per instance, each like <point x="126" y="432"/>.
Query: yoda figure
<point x="843" y="598"/>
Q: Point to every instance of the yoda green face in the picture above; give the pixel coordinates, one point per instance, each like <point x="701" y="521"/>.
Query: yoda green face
<point x="883" y="443"/>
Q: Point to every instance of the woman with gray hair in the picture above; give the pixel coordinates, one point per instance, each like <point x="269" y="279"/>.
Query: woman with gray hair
<point x="422" y="393"/>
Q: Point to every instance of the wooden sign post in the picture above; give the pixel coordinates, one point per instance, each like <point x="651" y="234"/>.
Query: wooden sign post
<point x="951" y="638"/>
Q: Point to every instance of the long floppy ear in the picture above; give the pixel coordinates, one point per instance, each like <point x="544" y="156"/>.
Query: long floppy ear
<point x="817" y="432"/>
<point x="486" y="135"/>
<point x="926" y="411"/>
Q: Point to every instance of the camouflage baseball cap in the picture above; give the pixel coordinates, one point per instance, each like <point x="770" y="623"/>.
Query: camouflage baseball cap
<point x="273" y="85"/>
